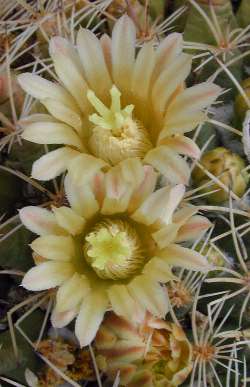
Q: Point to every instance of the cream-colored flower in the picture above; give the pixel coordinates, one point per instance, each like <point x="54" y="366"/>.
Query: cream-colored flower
<point x="154" y="353"/>
<point x="113" y="248"/>
<point x="114" y="102"/>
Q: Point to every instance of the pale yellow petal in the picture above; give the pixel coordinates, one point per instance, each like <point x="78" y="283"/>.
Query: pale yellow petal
<point x="69" y="220"/>
<point x="182" y="145"/>
<point x="193" y="229"/>
<point x="61" y="319"/>
<point x="64" y="114"/>
<point x="59" y="248"/>
<point x="40" y="221"/>
<point x="167" y="51"/>
<point x="159" y="206"/>
<point x="68" y="68"/>
<point x="124" y="305"/>
<point x="123" y="53"/>
<point x="52" y="133"/>
<point x="169" y="163"/>
<point x="180" y="123"/>
<point x="93" y="62"/>
<point x="150" y="295"/>
<point x="84" y="167"/>
<point x="106" y="44"/>
<point x="71" y="293"/>
<point x="182" y="257"/>
<point x="90" y="316"/>
<point x="132" y="171"/>
<point x="181" y="216"/>
<point x="118" y="192"/>
<point x="47" y="275"/>
<point x="146" y="187"/>
<point x="81" y="198"/>
<point x="194" y="98"/>
<point x="142" y="74"/>
<point x="166" y="235"/>
<point x="171" y="77"/>
<point x="42" y="88"/>
<point x="53" y="163"/>
<point x="158" y="270"/>
<point x="36" y="117"/>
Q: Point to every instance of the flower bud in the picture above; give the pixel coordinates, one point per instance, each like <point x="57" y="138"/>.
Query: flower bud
<point x="228" y="168"/>
<point x="154" y="353"/>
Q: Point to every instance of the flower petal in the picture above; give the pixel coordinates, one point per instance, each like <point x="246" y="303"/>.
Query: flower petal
<point x="167" y="162"/>
<point x="90" y="316"/>
<point x="181" y="123"/>
<point x="58" y="110"/>
<point x="182" y="145"/>
<point x="158" y="270"/>
<point x="169" y="79"/>
<point x="47" y="275"/>
<point x="40" y="221"/>
<point x="167" y="51"/>
<point x="141" y="80"/>
<point x="125" y="305"/>
<point x="84" y="167"/>
<point x="53" y="163"/>
<point x="120" y="182"/>
<point x="71" y="293"/>
<point x="181" y="216"/>
<point x="146" y="187"/>
<point x="160" y="205"/>
<point x="195" y="98"/>
<point x="42" y="88"/>
<point x="118" y="192"/>
<point x="123" y="53"/>
<point x="61" y="319"/>
<point x="68" y="68"/>
<point x="69" y="220"/>
<point x="81" y="198"/>
<point x="193" y="228"/>
<point x="166" y="235"/>
<point x="150" y="295"/>
<point x="180" y="256"/>
<point x="106" y="44"/>
<point x="52" y="133"/>
<point x="93" y="62"/>
<point x="60" y="248"/>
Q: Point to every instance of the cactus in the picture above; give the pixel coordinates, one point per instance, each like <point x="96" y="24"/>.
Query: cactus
<point x="124" y="198"/>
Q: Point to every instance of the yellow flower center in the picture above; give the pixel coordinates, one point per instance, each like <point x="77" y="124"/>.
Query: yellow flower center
<point x="113" y="249"/>
<point x="116" y="135"/>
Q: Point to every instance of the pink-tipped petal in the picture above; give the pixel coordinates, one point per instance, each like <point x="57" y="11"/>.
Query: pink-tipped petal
<point x="47" y="275"/>
<point x="52" y="164"/>
<point x="40" y="221"/>
<point x="194" y="228"/>
<point x="183" y="145"/>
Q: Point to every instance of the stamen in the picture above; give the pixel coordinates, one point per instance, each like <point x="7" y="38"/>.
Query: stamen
<point x="116" y="135"/>
<point x="113" y="249"/>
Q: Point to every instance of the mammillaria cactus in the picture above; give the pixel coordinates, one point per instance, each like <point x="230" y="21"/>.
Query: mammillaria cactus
<point x="124" y="195"/>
